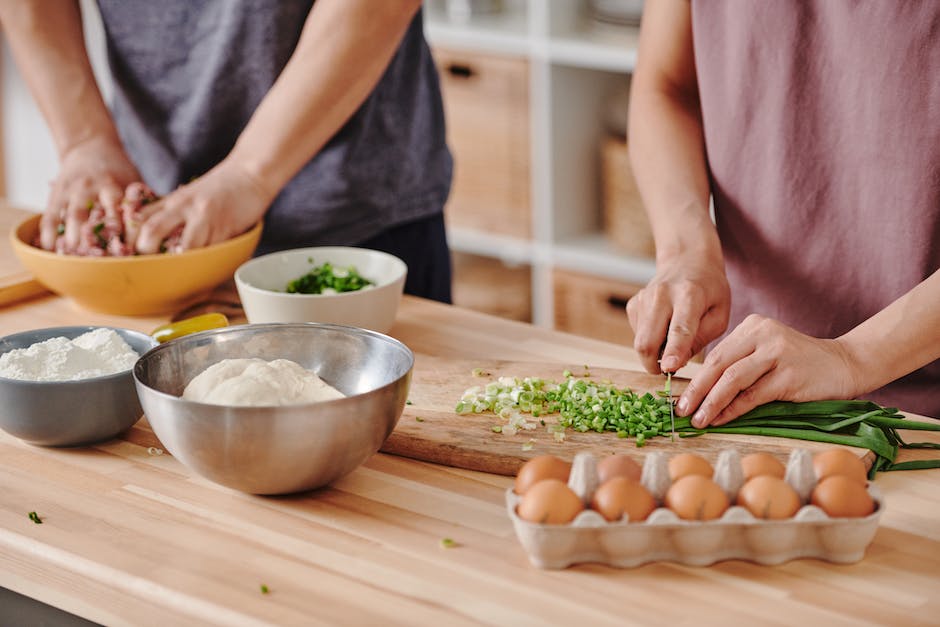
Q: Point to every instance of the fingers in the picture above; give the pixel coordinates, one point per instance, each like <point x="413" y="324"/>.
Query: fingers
<point x="714" y="322"/>
<point x="195" y="235"/>
<point x="158" y="221"/>
<point x="110" y="196"/>
<point x="761" y="361"/>
<point x="649" y="313"/>
<point x="740" y="373"/>
<point x="764" y="390"/>
<point x="683" y="330"/>
<point x="80" y="202"/>
<point x="678" y="325"/>
<point x="732" y="390"/>
<point x="49" y="225"/>
<point x="730" y="350"/>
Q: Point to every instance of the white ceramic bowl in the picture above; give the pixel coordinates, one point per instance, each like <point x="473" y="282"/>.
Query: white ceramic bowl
<point x="262" y="284"/>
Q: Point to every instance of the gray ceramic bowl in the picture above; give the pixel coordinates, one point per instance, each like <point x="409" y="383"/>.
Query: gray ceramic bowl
<point x="69" y="413"/>
<point x="286" y="448"/>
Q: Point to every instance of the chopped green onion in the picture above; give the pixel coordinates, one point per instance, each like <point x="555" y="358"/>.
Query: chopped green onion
<point x="448" y="543"/>
<point x="419" y="419"/>
<point x="33" y="516"/>
<point x="264" y="589"/>
<point x="583" y="405"/>
<point x="97" y="231"/>
<point x="327" y="279"/>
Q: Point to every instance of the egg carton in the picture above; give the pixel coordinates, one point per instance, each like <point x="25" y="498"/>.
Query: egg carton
<point x="663" y="536"/>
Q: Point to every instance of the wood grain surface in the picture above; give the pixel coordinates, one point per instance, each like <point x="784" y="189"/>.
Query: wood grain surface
<point x="130" y="537"/>
<point x="430" y="430"/>
<point x="15" y="282"/>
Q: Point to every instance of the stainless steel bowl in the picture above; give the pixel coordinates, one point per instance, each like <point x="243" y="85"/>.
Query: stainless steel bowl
<point x="69" y="413"/>
<point x="286" y="448"/>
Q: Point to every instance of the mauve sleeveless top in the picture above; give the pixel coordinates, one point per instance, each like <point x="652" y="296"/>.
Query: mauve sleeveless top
<point x="822" y="130"/>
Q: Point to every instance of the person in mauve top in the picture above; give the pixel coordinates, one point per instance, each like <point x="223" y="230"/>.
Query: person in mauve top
<point x="814" y="127"/>
<point x="323" y="118"/>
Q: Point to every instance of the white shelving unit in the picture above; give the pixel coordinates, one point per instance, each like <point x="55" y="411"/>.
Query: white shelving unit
<point x="573" y="66"/>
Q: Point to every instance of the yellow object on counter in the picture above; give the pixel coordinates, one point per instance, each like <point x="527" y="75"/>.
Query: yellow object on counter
<point x="173" y="330"/>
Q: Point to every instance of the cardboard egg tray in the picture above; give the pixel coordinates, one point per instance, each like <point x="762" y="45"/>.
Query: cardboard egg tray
<point x="663" y="536"/>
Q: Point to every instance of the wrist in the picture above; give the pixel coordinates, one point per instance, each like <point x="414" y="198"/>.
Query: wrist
<point x="90" y="139"/>
<point x="857" y="379"/>
<point x="687" y="233"/>
<point x="261" y="185"/>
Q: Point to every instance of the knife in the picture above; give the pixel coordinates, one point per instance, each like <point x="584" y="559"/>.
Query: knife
<point x="672" y="415"/>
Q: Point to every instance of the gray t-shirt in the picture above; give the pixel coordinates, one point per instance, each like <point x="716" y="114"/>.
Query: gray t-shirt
<point x="188" y="74"/>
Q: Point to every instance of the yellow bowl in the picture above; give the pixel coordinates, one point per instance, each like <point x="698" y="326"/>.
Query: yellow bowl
<point x="132" y="286"/>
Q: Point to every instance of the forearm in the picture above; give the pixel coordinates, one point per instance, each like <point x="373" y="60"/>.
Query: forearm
<point x="343" y="50"/>
<point x="667" y="157"/>
<point x="899" y="339"/>
<point x="666" y="139"/>
<point x="49" y="47"/>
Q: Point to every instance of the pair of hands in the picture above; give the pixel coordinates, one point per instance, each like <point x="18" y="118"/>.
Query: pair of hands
<point x="687" y="305"/>
<point x="223" y="203"/>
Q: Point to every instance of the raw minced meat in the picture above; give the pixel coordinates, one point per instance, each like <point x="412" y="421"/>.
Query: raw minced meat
<point x="113" y="233"/>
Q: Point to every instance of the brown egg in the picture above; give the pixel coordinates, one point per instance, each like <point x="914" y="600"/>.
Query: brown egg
<point x="685" y="464"/>
<point x="618" y="496"/>
<point x="541" y="467"/>
<point x="619" y="465"/>
<point x="769" y="497"/>
<point x="695" y="497"/>
<point x="838" y="461"/>
<point x="842" y="497"/>
<point x="758" y="464"/>
<point x="551" y="502"/>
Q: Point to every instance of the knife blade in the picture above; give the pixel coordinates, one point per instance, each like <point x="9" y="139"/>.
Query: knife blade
<point x="672" y="415"/>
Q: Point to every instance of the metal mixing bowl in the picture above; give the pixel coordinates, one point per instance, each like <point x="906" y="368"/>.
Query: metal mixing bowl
<point x="285" y="448"/>
<point x="69" y="413"/>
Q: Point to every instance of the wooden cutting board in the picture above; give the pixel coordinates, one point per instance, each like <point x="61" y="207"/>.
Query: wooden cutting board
<point x="430" y="430"/>
<point x="15" y="282"/>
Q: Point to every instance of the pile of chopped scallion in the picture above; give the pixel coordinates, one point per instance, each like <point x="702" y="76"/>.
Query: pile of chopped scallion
<point x="585" y="405"/>
<point x="328" y="279"/>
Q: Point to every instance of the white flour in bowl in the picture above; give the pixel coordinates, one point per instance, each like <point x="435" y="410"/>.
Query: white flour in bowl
<point x="92" y="354"/>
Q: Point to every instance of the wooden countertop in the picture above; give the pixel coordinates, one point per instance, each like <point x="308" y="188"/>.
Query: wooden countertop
<point x="130" y="537"/>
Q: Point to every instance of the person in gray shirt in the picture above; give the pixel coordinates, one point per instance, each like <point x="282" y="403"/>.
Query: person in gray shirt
<point x="323" y="118"/>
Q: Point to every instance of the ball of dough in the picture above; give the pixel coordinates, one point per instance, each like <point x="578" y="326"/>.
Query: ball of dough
<point x="257" y="382"/>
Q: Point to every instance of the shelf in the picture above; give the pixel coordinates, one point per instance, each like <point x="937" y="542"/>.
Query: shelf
<point x="591" y="254"/>
<point x="594" y="254"/>
<point x="510" y="250"/>
<point x="572" y="69"/>
<point x="595" y="46"/>
<point x="499" y="33"/>
<point x="585" y="44"/>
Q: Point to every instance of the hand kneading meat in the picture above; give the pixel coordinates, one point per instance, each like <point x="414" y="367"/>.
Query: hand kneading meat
<point x="110" y="233"/>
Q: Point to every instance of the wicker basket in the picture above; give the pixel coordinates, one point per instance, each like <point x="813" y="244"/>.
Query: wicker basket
<point x="625" y="221"/>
